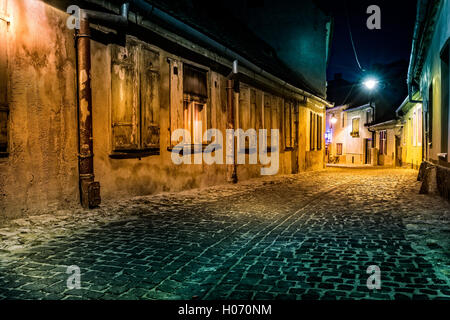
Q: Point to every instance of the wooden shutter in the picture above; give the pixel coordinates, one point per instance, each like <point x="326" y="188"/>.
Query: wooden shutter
<point x="149" y="92"/>
<point x="195" y="81"/>
<point x="288" y="123"/>
<point x="244" y="108"/>
<point x="319" y="132"/>
<point x="125" y="97"/>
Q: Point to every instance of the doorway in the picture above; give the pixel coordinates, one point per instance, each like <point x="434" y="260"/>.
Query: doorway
<point x="367" y="145"/>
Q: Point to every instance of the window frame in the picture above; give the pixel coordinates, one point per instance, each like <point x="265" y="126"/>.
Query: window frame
<point x="319" y="129"/>
<point x="139" y="68"/>
<point x="353" y="133"/>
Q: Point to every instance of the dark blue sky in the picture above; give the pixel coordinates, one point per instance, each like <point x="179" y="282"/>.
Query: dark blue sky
<point x="391" y="43"/>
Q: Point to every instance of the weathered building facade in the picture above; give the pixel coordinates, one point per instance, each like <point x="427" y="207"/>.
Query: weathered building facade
<point x="410" y="138"/>
<point x="350" y="141"/>
<point x="428" y="81"/>
<point x="147" y="79"/>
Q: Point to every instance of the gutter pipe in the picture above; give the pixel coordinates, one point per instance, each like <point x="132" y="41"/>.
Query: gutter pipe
<point x="89" y="189"/>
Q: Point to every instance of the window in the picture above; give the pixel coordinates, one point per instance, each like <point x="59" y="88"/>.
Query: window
<point x="319" y="132"/>
<point x="247" y="112"/>
<point x="414" y="129"/>
<point x="311" y="130"/>
<point x="4" y="108"/>
<point x="368" y="116"/>
<point x="383" y="142"/>
<point x="419" y="126"/>
<point x="339" y="149"/>
<point x="268" y="118"/>
<point x="189" y="100"/>
<point x="135" y="99"/>
<point x="355" y="127"/>
<point x="288" y="120"/>
<point x="315" y="131"/>
<point x="194" y="102"/>
<point x="343" y="119"/>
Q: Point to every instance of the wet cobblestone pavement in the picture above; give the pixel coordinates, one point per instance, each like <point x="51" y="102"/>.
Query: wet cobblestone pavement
<point x="307" y="236"/>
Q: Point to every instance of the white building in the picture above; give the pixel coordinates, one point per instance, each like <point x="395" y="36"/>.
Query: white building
<point x="348" y="139"/>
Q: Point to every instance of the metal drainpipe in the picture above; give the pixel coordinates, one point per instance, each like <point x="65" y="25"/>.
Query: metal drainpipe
<point x="89" y="189"/>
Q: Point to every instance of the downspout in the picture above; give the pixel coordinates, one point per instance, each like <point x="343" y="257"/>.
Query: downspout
<point x="232" y="99"/>
<point x="89" y="189"/>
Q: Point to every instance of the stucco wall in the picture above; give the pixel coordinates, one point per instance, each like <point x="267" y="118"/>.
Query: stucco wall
<point x="352" y="147"/>
<point x="41" y="170"/>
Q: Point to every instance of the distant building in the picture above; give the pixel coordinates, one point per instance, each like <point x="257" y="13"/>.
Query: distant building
<point x="349" y="140"/>
<point x="360" y="135"/>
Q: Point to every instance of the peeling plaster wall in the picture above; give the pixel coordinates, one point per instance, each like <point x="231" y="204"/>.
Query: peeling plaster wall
<point x="41" y="170"/>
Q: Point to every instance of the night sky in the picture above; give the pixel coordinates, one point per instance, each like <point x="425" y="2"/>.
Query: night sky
<point x="391" y="43"/>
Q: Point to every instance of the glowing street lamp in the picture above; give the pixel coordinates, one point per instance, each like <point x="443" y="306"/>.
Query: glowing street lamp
<point x="333" y="119"/>
<point x="370" y="83"/>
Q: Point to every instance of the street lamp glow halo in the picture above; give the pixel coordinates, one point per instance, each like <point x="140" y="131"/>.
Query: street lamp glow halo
<point x="370" y="83"/>
<point x="333" y="120"/>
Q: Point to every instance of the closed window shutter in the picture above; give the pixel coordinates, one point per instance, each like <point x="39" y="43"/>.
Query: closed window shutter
<point x="268" y="118"/>
<point x="125" y="97"/>
<point x="149" y="86"/>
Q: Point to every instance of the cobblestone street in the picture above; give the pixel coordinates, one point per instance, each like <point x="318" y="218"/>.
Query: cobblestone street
<point x="306" y="236"/>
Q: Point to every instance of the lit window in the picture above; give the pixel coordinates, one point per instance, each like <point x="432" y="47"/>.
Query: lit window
<point x="355" y="127"/>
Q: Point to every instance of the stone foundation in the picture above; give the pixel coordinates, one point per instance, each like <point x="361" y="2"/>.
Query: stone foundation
<point x="435" y="179"/>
